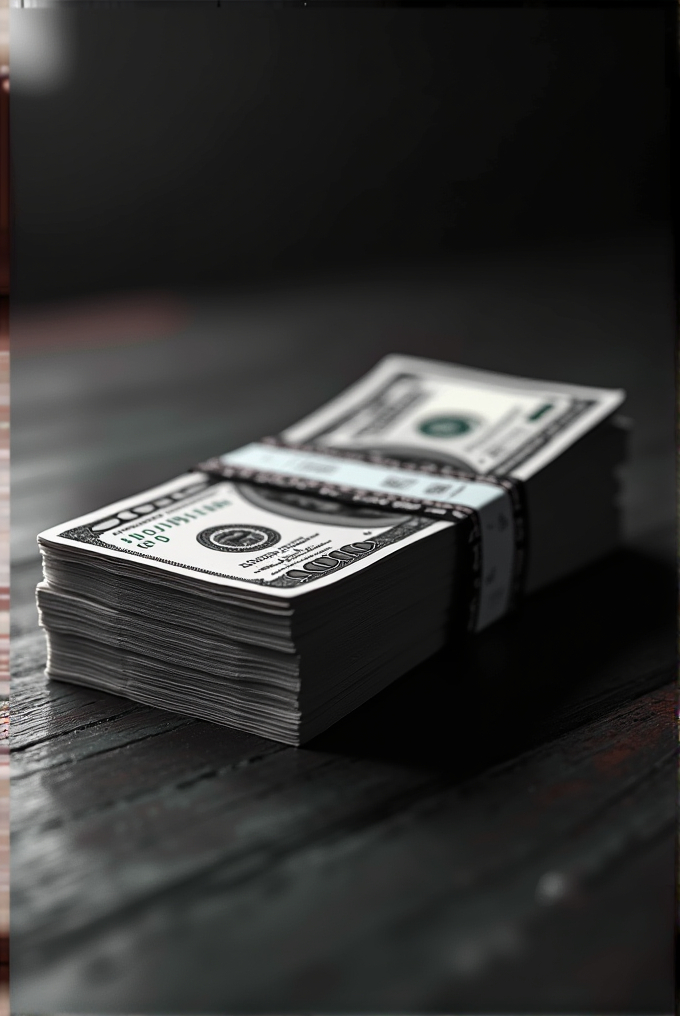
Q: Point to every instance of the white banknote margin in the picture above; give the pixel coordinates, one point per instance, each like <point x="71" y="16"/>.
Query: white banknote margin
<point x="606" y="401"/>
<point x="53" y="535"/>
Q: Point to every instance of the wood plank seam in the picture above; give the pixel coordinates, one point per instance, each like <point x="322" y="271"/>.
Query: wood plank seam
<point x="50" y="767"/>
<point x="120" y="803"/>
<point x="84" y="726"/>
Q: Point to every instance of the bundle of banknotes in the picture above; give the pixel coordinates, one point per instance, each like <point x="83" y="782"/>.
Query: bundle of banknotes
<point x="277" y="587"/>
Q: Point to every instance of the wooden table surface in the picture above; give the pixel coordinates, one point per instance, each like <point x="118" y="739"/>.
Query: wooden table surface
<point x="494" y="832"/>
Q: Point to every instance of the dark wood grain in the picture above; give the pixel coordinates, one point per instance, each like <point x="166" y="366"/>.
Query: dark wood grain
<point x="356" y="878"/>
<point x="492" y="833"/>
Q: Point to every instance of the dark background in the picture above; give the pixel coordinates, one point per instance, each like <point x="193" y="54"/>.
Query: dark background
<point x="251" y="142"/>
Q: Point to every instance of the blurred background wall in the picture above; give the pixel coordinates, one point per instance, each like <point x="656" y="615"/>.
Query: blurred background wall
<point x="160" y="147"/>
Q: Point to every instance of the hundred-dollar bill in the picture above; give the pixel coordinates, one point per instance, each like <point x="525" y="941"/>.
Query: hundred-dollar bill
<point x="233" y="536"/>
<point x="475" y="420"/>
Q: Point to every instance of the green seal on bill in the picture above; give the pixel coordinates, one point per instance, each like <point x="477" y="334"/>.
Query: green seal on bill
<point x="447" y="426"/>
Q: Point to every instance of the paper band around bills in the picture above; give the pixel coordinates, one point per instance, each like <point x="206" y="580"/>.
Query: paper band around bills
<point x="491" y="505"/>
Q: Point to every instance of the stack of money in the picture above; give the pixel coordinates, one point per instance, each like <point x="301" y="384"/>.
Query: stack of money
<point x="277" y="587"/>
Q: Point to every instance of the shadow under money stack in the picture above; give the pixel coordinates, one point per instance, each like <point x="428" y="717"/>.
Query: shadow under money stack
<point x="251" y="593"/>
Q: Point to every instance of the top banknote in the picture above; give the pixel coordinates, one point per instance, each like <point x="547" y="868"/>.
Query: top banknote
<point x="475" y="420"/>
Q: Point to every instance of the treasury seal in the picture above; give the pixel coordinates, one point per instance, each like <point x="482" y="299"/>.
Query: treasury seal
<point x="447" y="426"/>
<point x="238" y="538"/>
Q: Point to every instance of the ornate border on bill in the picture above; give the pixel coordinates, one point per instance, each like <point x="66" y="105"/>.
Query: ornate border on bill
<point x="492" y="505"/>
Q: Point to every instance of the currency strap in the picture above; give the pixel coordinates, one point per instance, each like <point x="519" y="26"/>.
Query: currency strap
<point x="492" y="507"/>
